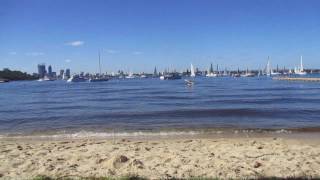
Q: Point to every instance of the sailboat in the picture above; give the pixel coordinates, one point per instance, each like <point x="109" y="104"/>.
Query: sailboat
<point x="268" y="68"/>
<point x="190" y="82"/>
<point x="300" y="71"/>
<point x="211" y="73"/>
<point x="260" y="73"/>
<point x="225" y="72"/>
<point x="99" y="78"/>
<point x="248" y="74"/>
<point x="130" y="76"/>
<point x="192" y="71"/>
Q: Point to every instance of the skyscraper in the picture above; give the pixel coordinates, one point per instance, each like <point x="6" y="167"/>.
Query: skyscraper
<point x="155" y="72"/>
<point x="41" y="70"/>
<point x="67" y="74"/>
<point x="49" y="71"/>
<point x="61" y="73"/>
<point x="211" y="69"/>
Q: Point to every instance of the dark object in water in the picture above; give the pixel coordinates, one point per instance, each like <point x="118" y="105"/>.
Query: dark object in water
<point x="189" y="82"/>
<point x="172" y="76"/>
<point x="98" y="79"/>
<point x="3" y="80"/>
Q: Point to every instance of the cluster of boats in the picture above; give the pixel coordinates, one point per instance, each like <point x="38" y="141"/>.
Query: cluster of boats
<point x="78" y="78"/>
<point x="268" y="71"/>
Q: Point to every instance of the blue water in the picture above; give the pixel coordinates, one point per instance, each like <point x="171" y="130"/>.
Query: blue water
<point x="152" y="105"/>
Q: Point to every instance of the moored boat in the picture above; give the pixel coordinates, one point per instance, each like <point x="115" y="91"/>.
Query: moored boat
<point x="4" y="80"/>
<point x="170" y="76"/>
<point x="77" y="78"/>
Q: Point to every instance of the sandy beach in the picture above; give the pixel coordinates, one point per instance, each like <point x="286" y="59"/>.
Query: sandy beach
<point x="161" y="159"/>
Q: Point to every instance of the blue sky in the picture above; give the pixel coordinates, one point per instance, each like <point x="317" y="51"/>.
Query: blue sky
<point x="136" y="35"/>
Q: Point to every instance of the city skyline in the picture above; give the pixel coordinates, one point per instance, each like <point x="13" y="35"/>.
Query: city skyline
<point x="139" y="35"/>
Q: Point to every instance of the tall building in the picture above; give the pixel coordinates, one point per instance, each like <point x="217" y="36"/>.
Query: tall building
<point x="41" y="70"/>
<point x="49" y="71"/>
<point x="67" y="74"/>
<point x="54" y="75"/>
<point x="155" y="72"/>
<point x="211" y="69"/>
<point x="61" y="73"/>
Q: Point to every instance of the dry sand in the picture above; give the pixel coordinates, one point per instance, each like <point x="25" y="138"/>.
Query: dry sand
<point x="159" y="159"/>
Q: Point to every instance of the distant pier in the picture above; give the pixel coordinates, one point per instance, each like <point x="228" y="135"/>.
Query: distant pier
<point x="297" y="79"/>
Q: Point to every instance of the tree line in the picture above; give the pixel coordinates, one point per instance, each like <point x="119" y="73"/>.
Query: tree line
<point x="7" y="74"/>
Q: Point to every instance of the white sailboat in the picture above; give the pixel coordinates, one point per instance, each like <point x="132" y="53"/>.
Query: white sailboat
<point x="130" y="76"/>
<point x="225" y="73"/>
<point x="300" y="71"/>
<point x="98" y="78"/>
<point x="193" y="74"/>
<point x="190" y="82"/>
<point x="211" y="73"/>
<point x="268" y="68"/>
<point x="248" y="74"/>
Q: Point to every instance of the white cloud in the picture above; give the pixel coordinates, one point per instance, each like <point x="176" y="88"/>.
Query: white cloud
<point x="111" y="51"/>
<point x="75" y="43"/>
<point x="13" y="53"/>
<point x="35" y="53"/>
<point x="67" y="60"/>
<point x="137" y="52"/>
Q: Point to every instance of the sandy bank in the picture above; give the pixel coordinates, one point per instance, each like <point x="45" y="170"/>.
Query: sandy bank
<point x="155" y="159"/>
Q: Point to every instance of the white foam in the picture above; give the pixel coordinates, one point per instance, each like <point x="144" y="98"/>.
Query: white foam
<point x="92" y="134"/>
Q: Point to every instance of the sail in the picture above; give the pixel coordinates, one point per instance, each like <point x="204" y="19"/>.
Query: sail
<point x="192" y="71"/>
<point x="268" y="68"/>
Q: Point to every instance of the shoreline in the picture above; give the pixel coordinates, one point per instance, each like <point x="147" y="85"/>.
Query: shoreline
<point x="182" y="157"/>
<point x="300" y="133"/>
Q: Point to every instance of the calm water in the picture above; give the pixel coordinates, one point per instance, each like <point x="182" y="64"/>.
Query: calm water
<point x="151" y="105"/>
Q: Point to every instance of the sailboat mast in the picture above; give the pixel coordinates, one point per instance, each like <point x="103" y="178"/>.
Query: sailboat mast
<point x="301" y="65"/>
<point x="99" y="64"/>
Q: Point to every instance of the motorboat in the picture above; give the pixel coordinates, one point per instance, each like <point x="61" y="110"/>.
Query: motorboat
<point x="211" y="74"/>
<point x="77" y="78"/>
<point x="130" y="76"/>
<point x="170" y="76"/>
<point x="4" y="80"/>
<point x="189" y="82"/>
<point x="46" y="78"/>
<point x="98" y="79"/>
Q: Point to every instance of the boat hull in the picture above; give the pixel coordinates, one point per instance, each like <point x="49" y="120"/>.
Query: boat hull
<point x="98" y="80"/>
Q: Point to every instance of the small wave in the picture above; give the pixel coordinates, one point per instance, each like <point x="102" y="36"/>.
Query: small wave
<point x="142" y="134"/>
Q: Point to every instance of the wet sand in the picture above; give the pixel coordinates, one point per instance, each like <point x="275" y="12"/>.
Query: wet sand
<point x="161" y="158"/>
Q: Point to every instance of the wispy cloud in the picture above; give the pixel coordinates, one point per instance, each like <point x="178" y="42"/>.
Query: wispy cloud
<point x="75" y="43"/>
<point x="111" y="51"/>
<point x="137" y="52"/>
<point x="13" y="53"/>
<point x="67" y="60"/>
<point x="35" y="53"/>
